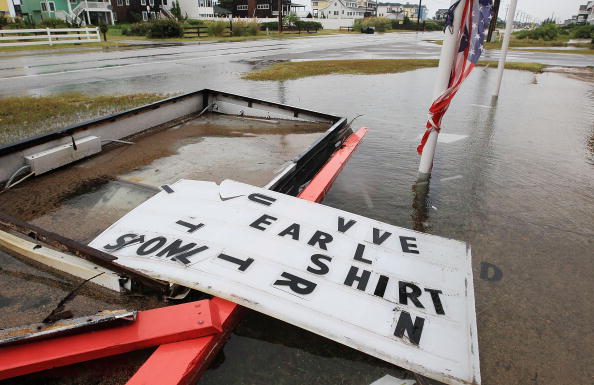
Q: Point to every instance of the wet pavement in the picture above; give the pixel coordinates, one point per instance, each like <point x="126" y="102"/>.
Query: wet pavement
<point x="183" y="68"/>
<point x="516" y="182"/>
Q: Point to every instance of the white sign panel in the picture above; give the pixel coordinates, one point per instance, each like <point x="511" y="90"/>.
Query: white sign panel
<point x="399" y="295"/>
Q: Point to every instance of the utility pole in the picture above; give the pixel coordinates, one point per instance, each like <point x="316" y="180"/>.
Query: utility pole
<point x="280" y="16"/>
<point x="493" y="24"/>
<point x="419" y="16"/>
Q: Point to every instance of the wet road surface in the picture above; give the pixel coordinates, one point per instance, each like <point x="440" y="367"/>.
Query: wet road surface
<point x="516" y="183"/>
<point x="183" y="68"/>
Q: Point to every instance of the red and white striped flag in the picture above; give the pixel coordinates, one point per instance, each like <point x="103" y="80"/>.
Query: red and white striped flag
<point x="470" y="40"/>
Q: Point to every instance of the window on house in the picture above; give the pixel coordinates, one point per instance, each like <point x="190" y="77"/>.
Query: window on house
<point x="243" y="7"/>
<point x="52" y="6"/>
<point x="153" y="15"/>
<point x="142" y="2"/>
<point x="144" y="15"/>
<point x="336" y="13"/>
<point x="120" y="2"/>
<point x="263" y="6"/>
<point x="314" y="3"/>
<point x="163" y="2"/>
<point x="44" y="7"/>
<point x="127" y="2"/>
<point x="151" y="2"/>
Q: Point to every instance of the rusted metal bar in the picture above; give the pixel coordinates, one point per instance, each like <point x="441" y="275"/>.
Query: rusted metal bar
<point x="80" y="250"/>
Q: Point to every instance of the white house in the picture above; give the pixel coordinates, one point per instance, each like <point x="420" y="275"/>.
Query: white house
<point x="197" y="9"/>
<point x="342" y="9"/>
<point x="390" y="11"/>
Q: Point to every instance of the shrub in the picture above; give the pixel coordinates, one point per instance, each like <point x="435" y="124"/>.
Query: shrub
<point x="271" y="25"/>
<point x="583" y="32"/>
<point x="381" y="24"/>
<point x="52" y="22"/>
<point x="165" y="28"/>
<point x="217" y="28"/>
<point x="194" y="22"/>
<point x="546" y="32"/>
<point x="309" y="25"/>
<point x="136" y="29"/>
<point x="3" y="21"/>
<point x="243" y="28"/>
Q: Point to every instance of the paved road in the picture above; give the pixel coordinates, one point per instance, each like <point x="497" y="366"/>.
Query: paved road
<point x="178" y="68"/>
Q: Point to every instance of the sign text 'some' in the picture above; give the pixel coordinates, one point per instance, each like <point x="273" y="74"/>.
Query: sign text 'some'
<point x="403" y="296"/>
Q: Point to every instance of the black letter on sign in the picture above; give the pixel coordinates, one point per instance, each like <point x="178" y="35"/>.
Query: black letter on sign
<point x="490" y="272"/>
<point x="298" y="285"/>
<point x="413" y="295"/>
<point x="378" y="238"/>
<point x="359" y="254"/>
<point x="407" y="246"/>
<point x="362" y="280"/>
<point x="436" y="300"/>
<point x="413" y="331"/>
<point x="243" y="265"/>
<point x="322" y="269"/>
<point x="380" y="288"/>
<point x="191" y="227"/>
<point x="264" y="219"/>
<point x="292" y="230"/>
<point x="343" y="227"/>
<point x="176" y="251"/>
<point x="151" y="246"/>
<point x="321" y="238"/>
<point x="121" y="242"/>
<point x="262" y="199"/>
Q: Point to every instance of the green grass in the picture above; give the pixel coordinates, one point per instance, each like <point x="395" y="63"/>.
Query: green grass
<point x="569" y="51"/>
<point x="25" y="116"/>
<point x="102" y="44"/>
<point x="296" y="70"/>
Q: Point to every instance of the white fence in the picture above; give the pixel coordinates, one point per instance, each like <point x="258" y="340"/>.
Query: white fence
<point x="23" y="37"/>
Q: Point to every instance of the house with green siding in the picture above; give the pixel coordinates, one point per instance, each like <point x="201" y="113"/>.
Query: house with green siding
<point x="81" y="11"/>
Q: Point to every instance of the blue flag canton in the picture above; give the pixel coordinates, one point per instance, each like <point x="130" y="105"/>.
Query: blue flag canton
<point x="481" y="18"/>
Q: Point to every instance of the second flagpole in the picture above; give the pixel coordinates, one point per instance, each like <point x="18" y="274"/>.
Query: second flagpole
<point x="446" y="62"/>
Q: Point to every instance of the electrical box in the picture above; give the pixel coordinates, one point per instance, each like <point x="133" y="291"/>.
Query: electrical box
<point x="55" y="157"/>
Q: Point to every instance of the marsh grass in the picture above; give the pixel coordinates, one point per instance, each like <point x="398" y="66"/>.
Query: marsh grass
<point x="25" y="116"/>
<point x="296" y="70"/>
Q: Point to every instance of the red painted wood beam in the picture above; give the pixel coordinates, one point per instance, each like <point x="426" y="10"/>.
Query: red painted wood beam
<point x="152" y="327"/>
<point x="316" y="190"/>
<point x="182" y="363"/>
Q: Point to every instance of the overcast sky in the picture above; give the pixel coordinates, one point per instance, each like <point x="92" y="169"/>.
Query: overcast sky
<point x="541" y="9"/>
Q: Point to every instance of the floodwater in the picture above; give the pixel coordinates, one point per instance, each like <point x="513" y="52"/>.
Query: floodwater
<point x="515" y="182"/>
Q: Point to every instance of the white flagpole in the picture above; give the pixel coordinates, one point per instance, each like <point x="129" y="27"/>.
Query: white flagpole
<point x="446" y="61"/>
<point x="509" y="24"/>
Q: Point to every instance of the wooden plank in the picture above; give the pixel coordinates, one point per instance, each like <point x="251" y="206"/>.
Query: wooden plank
<point x="316" y="190"/>
<point x="100" y="258"/>
<point x="152" y="327"/>
<point x="60" y="261"/>
<point x="182" y="363"/>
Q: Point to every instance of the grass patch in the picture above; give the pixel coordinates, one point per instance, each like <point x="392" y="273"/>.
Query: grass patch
<point x="102" y="44"/>
<point x="569" y="51"/>
<point x="296" y="70"/>
<point x="25" y="116"/>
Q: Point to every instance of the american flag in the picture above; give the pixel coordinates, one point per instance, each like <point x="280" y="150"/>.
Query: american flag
<point x="475" y="21"/>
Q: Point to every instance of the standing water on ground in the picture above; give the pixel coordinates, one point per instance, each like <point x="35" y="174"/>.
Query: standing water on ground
<point x="514" y="180"/>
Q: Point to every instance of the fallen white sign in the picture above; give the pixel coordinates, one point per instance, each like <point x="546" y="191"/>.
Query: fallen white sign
<point x="399" y="295"/>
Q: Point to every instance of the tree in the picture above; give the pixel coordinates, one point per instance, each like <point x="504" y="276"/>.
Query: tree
<point x="176" y="10"/>
<point x="103" y="28"/>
